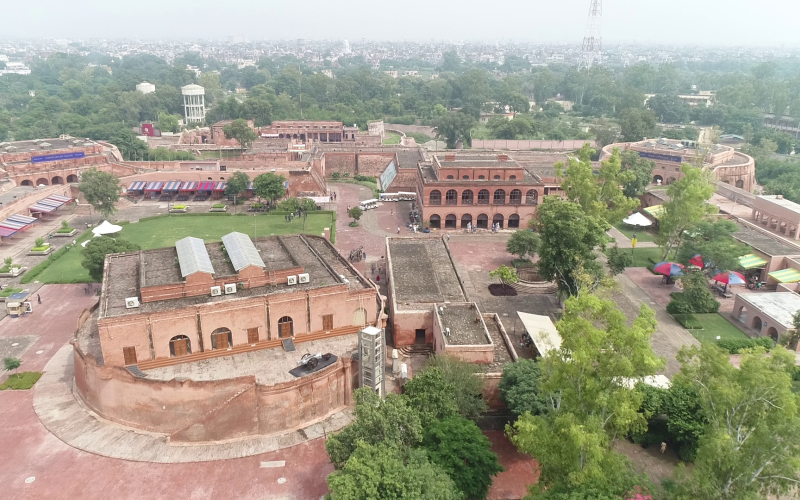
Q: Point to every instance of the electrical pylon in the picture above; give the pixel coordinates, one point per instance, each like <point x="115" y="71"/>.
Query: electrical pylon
<point x="592" y="43"/>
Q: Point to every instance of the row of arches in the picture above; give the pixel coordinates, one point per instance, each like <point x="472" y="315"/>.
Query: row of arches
<point x="43" y="181"/>
<point x="481" y="222"/>
<point x="222" y="338"/>
<point x="739" y="183"/>
<point x="483" y="178"/>
<point x="755" y="323"/>
<point x="498" y="197"/>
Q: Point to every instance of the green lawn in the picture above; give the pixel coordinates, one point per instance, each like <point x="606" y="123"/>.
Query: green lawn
<point x="392" y="138"/>
<point x="715" y="325"/>
<point x="627" y="230"/>
<point x="165" y="231"/>
<point x="642" y="256"/>
<point x="21" y="381"/>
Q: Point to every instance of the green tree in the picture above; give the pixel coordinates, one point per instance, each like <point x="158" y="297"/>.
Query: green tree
<point x="355" y="213"/>
<point x="390" y="422"/>
<point x="696" y="298"/>
<point x="618" y="259"/>
<point x="382" y="471"/>
<point x="101" y="190"/>
<point x="523" y="243"/>
<point x="129" y="144"/>
<point x="605" y="135"/>
<point x="569" y="237"/>
<point x="713" y="239"/>
<point x="168" y="122"/>
<point x="237" y="184"/>
<point x="459" y="447"/>
<point x="11" y="364"/>
<point x="686" y="419"/>
<point x="455" y="126"/>
<point x="599" y="195"/>
<point x="241" y="131"/>
<point x="520" y="387"/>
<point x="94" y="254"/>
<point x="642" y="170"/>
<point x="669" y="108"/>
<point x="431" y="396"/>
<point x="292" y="204"/>
<point x="750" y="448"/>
<point x="269" y="186"/>
<point x="505" y="274"/>
<point x="636" y="124"/>
<point x="466" y="381"/>
<point x="686" y="207"/>
<point x="451" y="61"/>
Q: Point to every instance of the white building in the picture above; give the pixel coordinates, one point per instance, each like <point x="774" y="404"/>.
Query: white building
<point x="194" y="103"/>
<point x="146" y="88"/>
<point x="15" y="68"/>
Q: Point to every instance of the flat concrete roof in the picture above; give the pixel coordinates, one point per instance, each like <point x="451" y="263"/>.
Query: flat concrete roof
<point x="782" y="202"/>
<point x="502" y="351"/>
<point x="764" y="243"/>
<point x="779" y="305"/>
<point x="423" y="273"/>
<point x="465" y="323"/>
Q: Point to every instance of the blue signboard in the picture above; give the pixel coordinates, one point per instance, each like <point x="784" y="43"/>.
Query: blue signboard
<point x="58" y="157"/>
<point x="661" y="157"/>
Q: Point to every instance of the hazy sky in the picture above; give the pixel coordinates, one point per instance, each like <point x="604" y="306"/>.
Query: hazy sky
<point x="712" y="22"/>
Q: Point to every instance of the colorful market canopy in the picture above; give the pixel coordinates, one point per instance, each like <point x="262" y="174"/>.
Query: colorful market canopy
<point x="785" y="275"/>
<point x="51" y="203"/>
<point x="13" y="225"/>
<point x="23" y="219"/>
<point x="189" y="186"/>
<point x="205" y="186"/>
<point x="220" y="186"/>
<point x="60" y="198"/>
<point x="154" y="186"/>
<point x="637" y="219"/>
<point x="5" y="232"/>
<point x="668" y="268"/>
<point x="42" y="209"/>
<point x="751" y="261"/>
<point x="656" y="211"/>
<point x="137" y="186"/>
<point x="172" y="185"/>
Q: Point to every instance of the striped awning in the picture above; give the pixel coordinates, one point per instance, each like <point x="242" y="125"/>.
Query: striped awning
<point x="188" y="186"/>
<point x="59" y="198"/>
<point x="751" y="261"/>
<point x="137" y="186"/>
<point x="154" y="186"/>
<point x="13" y="225"/>
<point x="23" y="219"/>
<point x="656" y="211"/>
<point x="38" y="207"/>
<point x="785" y="275"/>
<point x="220" y="186"/>
<point x="172" y="186"/>
<point x="50" y="203"/>
<point x="205" y="186"/>
<point x="5" y="232"/>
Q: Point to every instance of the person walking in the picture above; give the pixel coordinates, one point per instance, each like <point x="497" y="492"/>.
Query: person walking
<point x="448" y="236"/>
<point x="38" y="298"/>
<point x="398" y="229"/>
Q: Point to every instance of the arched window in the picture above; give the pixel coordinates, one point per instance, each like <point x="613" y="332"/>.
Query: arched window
<point x="497" y="177"/>
<point x="466" y="219"/>
<point x="360" y="317"/>
<point x="483" y="221"/>
<point x="42" y="182"/>
<point x="285" y="327"/>
<point x="532" y="197"/>
<point x="483" y="197"/>
<point x="180" y="345"/>
<point x="27" y="183"/>
<point x="515" y="197"/>
<point x="498" y="219"/>
<point x="57" y="180"/>
<point x="450" y="222"/>
<point x="499" y="197"/>
<point x="221" y="338"/>
<point x="513" y="221"/>
<point x="512" y="177"/>
<point x="435" y="221"/>
<point x="466" y="197"/>
<point x="450" y="177"/>
<point x="72" y="178"/>
<point x="481" y="177"/>
<point x="657" y="179"/>
<point x="465" y="177"/>
<point x="740" y="184"/>
<point x="436" y="197"/>
<point x="451" y="197"/>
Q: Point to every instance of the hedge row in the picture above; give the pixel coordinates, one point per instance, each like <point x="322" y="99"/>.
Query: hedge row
<point x="688" y="321"/>
<point x="734" y="346"/>
<point x="31" y="274"/>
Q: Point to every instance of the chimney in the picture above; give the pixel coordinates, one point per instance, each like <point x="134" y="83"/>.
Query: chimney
<point x="450" y="157"/>
<point x="502" y="157"/>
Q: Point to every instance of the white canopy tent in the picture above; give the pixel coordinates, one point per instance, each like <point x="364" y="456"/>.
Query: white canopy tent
<point x="542" y="332"/>
<point x="106" y="228"/>
<point x="637" y="219"/>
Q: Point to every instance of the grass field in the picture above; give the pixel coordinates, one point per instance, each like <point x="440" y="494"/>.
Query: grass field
<point x="642" y="256"/>
<point x="627" y="230"/>
<point x="715" y="325"/>
<point x="391" y="138"/>
<point x="165" y="231"/>
<point x="20" y="381"/>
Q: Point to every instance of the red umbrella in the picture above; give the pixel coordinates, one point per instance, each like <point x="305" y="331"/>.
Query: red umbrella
<point x="730" y="278"/>
<point x="669" y="268"/>
<point x="697" y="260"/>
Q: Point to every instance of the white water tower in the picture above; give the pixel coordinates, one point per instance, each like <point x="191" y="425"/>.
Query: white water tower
<point x="194" y="103"/>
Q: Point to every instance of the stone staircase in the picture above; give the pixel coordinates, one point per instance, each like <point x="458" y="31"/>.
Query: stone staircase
<point x="416" y="350"/>
<point x="264" y="344"/>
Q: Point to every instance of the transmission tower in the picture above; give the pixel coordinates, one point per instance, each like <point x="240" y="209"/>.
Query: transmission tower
<point x="592" y="43"/>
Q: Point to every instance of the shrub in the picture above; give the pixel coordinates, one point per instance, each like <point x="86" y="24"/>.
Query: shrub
<point x="64" y="230"/>
<point x="679" y="306"/>
<point x="179" y="207"/>
<point x="64" y="224"/>
<point x="9" y="291"/>
<point x="696" y="298"/>
<point x="8" y="261"/>
<point x="618" y="260"/>
<point x="21" y="381"/>
<point x="735" y="346"/>
<point x="365" y="178"/>
<point x="522" y="263"/>
<point x="688" y="321"/>
<point x="336" y="175"/>
<point x="353" y="224"/>
<point x="218" y="205"/>
<point x="39" y="242"/>
<point x="40" y="249"/>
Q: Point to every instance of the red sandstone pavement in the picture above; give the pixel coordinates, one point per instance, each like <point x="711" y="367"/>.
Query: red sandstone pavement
<point x="34" y="464"/>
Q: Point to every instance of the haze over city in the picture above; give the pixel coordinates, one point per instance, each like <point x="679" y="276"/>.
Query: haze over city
<point x="710" y="22"/>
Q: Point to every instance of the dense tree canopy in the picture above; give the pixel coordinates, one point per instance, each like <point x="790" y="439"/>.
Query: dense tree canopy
<point x="94" y="254"/>
<point x="101" y="190"/>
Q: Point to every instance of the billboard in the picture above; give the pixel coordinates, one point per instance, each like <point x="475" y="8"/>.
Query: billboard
<point x="147" y="129"/>
<point x="388" y="175"/>
<point x="660" y="157"/>
<point x="58" y="157"/>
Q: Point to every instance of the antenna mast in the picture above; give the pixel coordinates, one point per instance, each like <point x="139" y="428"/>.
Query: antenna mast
<point x="592" y="42"/>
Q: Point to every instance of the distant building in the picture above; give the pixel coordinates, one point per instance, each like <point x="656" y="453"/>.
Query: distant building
<point x="194" y="103"/>
<point x="15" y="68"/>
<point x="146" y="88"/>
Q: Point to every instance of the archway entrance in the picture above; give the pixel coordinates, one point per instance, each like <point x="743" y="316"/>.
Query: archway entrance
<point x="773" y="333"/>
<point x="657" y="179"/>
<point x="513" y="221"/>
<point x="436" y="221"/>
<point x="57" y="180"/>
<point x="498" y="219"/>
<point x="27" y="183"/>
<point x="450" y="222"/>
<point x="466" y="220"/>
<point x="72" y="178"/>
<point x="42" y="182"/>
<point x="285" y="327"/>
<point x="221" y="338"/>
<point x="483" y="221"/>
<point x="180" y="345"/>
<point x="740" y="184"/>
<point x="757" y="324"/>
